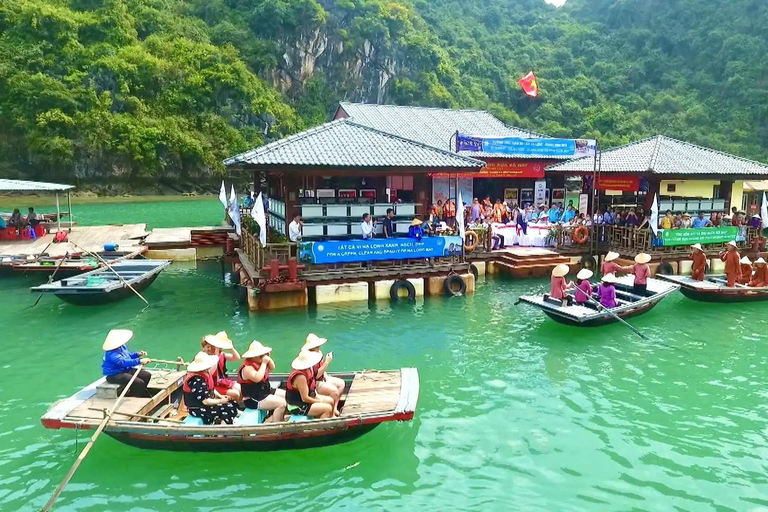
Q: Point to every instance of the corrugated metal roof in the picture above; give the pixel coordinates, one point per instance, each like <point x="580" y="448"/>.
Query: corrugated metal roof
<point x="31" y="186"/>
<point x="343" y="143"/>
<point x="664" y="155"/>
<point x="435" y="127"/>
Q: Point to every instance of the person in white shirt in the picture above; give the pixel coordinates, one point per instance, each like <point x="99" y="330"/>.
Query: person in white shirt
<point x="366" y="227"/>
<point x="294" y="228"/>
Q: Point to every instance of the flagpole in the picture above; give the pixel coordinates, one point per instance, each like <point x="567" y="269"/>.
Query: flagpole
<point x="595" y="199"/>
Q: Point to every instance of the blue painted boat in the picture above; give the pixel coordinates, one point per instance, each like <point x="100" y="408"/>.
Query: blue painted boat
<point x="102" y="285"/>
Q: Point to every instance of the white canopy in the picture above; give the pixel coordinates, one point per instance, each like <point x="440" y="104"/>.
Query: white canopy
<point x="31" y="186"/>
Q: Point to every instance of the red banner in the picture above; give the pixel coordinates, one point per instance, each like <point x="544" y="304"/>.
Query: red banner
<point x="622" y="183"/>
<point x="505" y="168"/>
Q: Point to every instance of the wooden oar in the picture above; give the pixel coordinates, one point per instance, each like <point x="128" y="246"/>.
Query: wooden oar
<point x="48" y="506"/>
<point x="113" y="270"/>
<point x="167" y="361"/>
<point x="617" y="317"/>
<point x="136" y="415"/>
<point x="50" y="279"/>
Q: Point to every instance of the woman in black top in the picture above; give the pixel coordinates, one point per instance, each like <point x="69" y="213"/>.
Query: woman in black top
<point x="200" y="397"/>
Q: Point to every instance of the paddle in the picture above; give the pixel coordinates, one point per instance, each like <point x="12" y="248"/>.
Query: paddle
<point x="113" y="270"/>
<point x="108" y="414"/>
<point x="617" y="317"/>
<point x="50" y="279"/>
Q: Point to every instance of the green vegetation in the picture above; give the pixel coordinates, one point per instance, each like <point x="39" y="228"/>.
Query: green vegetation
<point x="126" y="89"/>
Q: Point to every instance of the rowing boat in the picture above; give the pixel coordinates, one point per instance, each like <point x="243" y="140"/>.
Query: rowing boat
<point x="74" y="264"/>
<point x="714" y="288"/>
<point x="370" y="398"/>
<point x="590" y="315"/>
<point x="103" y="285"/>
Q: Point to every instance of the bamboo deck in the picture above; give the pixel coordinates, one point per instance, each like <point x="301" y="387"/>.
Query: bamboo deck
<point x="373" y="392"/>
<point x="91" y="238"/>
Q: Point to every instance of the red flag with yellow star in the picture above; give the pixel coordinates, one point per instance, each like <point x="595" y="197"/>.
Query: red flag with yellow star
<point x="529" y="84"/>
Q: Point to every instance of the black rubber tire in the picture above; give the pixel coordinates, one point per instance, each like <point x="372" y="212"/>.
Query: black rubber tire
<point x="588" y="262"/>
<point x="448" y="286"/>
<point x="397" y="285"/>
<point x="473" y="269"/>
<point x="665" y="269"/>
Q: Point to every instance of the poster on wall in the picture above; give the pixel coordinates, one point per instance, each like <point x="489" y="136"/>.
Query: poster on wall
<point x="443" y="188"/>
<point x="540" y="192"/>
<point x="583" y="204"/>
<point x="510" y="195"/>
<point x="558" y="195"/>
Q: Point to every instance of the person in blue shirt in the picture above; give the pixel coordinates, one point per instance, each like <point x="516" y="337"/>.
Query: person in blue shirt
<point x="554" y="214"/>
<point x="701" y="222"/>
<point x="248" y="201"/>
<point x="568" y="215"/>
<point x="119" y="364"/>
<point x="415" y="230"/>
<point x="608" y="217"/>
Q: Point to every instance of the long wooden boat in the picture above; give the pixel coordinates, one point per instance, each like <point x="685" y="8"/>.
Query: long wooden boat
<point x="714" y="288"/>
<point x="102" y="285"/>
<point x="370" y="398"/>
<point x="76" y="263"/>
<point x="590" y="315"/>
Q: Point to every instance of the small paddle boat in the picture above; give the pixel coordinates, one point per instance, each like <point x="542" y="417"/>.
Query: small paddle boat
<point x="103" y="285"/>
<point x="714" y="288"/>
<point x="75" y="263"/>
<point x="161" y="423"/>
<point x="591" y="315"/>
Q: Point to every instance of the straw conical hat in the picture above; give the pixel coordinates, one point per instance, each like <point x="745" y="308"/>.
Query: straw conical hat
<point x="117" y="338"/>
<point x="609" y="278"/>
<point x="306" y="359"/>
<point x="732" y="243"/>
<point x="611" y="256"/>
<point x="745" y="261"/>
<point x="202" y="362"/>
<point x="759" y="261"/>
<point x="416" y="222"/>
<point x="697" y="246"/>
<point x="560" y="270"/>
<point x="642" y="258"/>
<point x="313" y="341"/>
<point x="584" y="273"/>
<point x="256" y="349"/>
<point x="220" y="340"/>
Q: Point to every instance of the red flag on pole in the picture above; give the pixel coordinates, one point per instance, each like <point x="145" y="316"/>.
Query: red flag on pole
<point x="529" y="84"/>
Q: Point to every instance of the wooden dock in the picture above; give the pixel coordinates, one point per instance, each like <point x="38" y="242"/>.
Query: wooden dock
<point x="91" y="238"/>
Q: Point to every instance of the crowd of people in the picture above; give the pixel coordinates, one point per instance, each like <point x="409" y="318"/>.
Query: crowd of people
<point x="19" y="221"/>
<point x="211" y="395"/>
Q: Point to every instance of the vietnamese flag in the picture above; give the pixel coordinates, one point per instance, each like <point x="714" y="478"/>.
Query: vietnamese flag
<point x="529" y="84"/>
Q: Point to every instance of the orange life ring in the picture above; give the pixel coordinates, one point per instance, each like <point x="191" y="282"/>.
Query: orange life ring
<point x="581" y="235"/>
<point x="470" y="246"/>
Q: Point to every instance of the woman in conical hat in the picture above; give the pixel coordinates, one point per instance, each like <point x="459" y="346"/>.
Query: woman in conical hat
<point x="699" y="262"/>
<point x="732" y="260"/>
<point x="326" y="384"/>
<point x="253" y="377"/>
<point x="641" y="271"/>
<point x="221" y="346"/>
<point x="760" y="278"/>
<point x="607" y="291"/>
<point x="746" y="271"/>
<point x="301" y="387"/>
<point x="558" y="284"/>
<point x="609" y="266"/>
<point x="200" y="397"/>
<point x="583" y="286"/>
<point x="119" y="365"/>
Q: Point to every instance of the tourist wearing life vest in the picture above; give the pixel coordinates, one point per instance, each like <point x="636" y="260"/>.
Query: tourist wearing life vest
<point x="732" y="260"/>
<point x="746" y="271"/>
<point x="760" y="278"/>
<point x="641" y="271"/>
<point x="119" y="365"/>
<point x="221" y="346"/>
<point x="609" y="266"/>
<point x="253" y="377"/>
<point x="200" y="397"/>
<point x="326" y="384"/>
<point x="699" y="262"/>
<point x="449" y="212"/>
<point x="301" y="387"/>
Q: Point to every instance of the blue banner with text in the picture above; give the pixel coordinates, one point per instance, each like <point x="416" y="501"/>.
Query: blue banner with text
<point x="532" y="147"/>
<point x="378" y="249"/>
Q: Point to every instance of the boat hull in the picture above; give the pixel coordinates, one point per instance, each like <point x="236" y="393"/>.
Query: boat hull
<point x="604" y="320"/>
<point x="721" y="296"/>
<point x="99" y="298"/>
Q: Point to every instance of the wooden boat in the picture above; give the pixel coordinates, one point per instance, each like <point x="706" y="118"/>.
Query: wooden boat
<point x="370" y="398"/>
<point x="590" y="315"/>
<point x="76" y="263"/>
<point x="715" y="288"/>
<point x="101" y="286"/>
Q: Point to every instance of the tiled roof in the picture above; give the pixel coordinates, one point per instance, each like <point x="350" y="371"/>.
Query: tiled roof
<point x="435" y="127"/>
<point x="343" y="143"/>
<point x="31" y="186"/>
<point x="664" y="155"/>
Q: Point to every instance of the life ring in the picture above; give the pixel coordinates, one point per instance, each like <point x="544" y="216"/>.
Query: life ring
<point x="470" y="246"/>
<point x="588" y="262"/>
<point x="665" y="269"/>
<point x="448" y="285"/>
<point x="474" y="270"/>
<point x="581" y="235"/>
<point x="402" y="284"/>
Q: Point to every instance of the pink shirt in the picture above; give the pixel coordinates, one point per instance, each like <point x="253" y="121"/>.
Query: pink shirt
<point x="583" y="291"/>
<point x="609" y="267"/>
<point x="642" y="273"/>
<point x="557" y="291"/>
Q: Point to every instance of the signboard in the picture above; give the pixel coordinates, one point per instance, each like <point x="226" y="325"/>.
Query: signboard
<point x="505" y="169"/>
<point x="540" y="192"/>
<point x="510" y="194"/>
<point x="572" y="148"/>
<point x="623" y="183"/>
<point x="377" y="249"/>
<point x="584" y="204"/>
<point x="670" y="237"/>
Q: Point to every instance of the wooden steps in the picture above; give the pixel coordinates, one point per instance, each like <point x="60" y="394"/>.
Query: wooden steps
<point x="521" y="264"/>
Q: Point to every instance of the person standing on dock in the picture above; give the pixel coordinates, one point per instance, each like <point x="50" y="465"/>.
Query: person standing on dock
<point x="746" y="271"/>
<point x="732" y="258"/>
<point x="642" y="272"/>
<point x="389" y="231"/>
<point x="119" y="365"/>
<point x="609" y="266"/>
<point x="699" y="262"/>
<point x="366" y="227"/>
<point x="294" y="228"/>
<point x="760" y="279"/>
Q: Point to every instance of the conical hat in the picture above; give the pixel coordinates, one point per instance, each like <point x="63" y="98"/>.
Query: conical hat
<point x="306" y="359"/>
<point x="584" y="273"/>
<point x="732" y="243"/>
<point x="642" y="258"/>
<point x="611" y="256"/>
<point x="759" y="261"/>
<point x="697" y="246"/>
<point x="219" y="340"/>
<point x="560" y="270"/>
<point x="745" y="261"/>
<point x="202" y="362"/>
<point x="256" y="349"/>
<point x="609" y="278"/>
<point x="313" y="341"/>
<point x="117" y="338"/>
<point x="416" y="222"/>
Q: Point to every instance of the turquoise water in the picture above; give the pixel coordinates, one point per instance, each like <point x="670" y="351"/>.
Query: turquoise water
<point x="171" y="214"/>
<point x="515" y="412"/>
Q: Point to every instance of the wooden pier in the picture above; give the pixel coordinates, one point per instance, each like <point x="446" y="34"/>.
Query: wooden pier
<point x="91" y="238"/>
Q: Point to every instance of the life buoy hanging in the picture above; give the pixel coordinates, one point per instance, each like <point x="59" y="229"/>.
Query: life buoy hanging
<point x="581" y="235"/>
<point x="470" y="241"/>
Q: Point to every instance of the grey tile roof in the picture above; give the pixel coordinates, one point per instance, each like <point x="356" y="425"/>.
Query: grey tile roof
<point x="435" y="127"/>
<point x="344" y="143"/>
<point x="664" y="155"/>
<point x="31" y="186"/>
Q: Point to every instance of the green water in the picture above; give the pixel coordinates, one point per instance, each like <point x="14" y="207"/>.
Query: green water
<point x="516" y="412"/>
<point x="171" y="214"/>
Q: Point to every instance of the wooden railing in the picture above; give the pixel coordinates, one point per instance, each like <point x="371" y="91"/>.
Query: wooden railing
<point x="260" y="256"/>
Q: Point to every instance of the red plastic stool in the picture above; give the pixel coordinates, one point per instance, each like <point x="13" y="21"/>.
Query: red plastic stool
<point x="39" y="230"/>
<point x="11" y="233"/>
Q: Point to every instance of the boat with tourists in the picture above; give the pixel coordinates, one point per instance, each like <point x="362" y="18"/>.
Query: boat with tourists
<point x="714" y="288"/>
<point x="591" y="314"/>
<point x="106" y="284"/>
<point x="161" y="422"/>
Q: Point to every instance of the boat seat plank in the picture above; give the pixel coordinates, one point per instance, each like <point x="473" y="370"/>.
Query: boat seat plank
<point x="128" y="405"/>
<point x="373" y="392"/>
